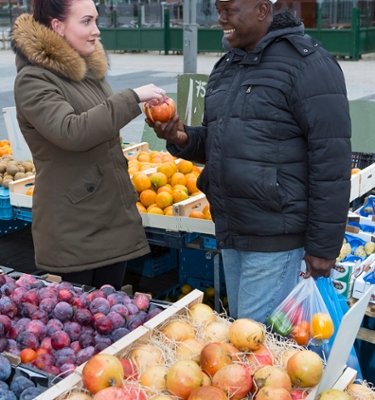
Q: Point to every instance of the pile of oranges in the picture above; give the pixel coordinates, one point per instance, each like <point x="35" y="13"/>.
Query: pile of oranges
<point x="5" y="147"/>
<point x="169" y="183"/>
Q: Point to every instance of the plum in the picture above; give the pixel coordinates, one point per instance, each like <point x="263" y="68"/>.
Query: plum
<point x="2" y="330"/>
<point x="24" y="283"/>
<point x="3" y="344"/>
<point x="117" y="334"/>
<point x="4" y="385"/>
<point x="38" y="284"/>
<point x="38" y="328"/>
<point x="46" y="343"/>
<point x="59" y="340"/>
<point x="8" y="307"/>
<point x="6" y="321"/>
<point x="2" y="280"/>
<point x="30" y="393"/>
<point x="17" y="294"/>
<point x="75" y="346"/>
<point x="86" y="340"/>
<point x="31" y="296"/>
<point x="67" y="369"/>
<point x="85" y="354"/>
<point x="88" y="329"/>
<point x="107" y="289"/>
<point x="65" y="356"/>
<point x="153" y="313"/>
<point x="121" y="309"/>
<point x="66" y="295"/>
<point x="27" y="309"/>
<point x="115" y="298"/>
<point x="100" y="347"/>
<point x="134" y="322"/>
<point x="7" y="395"/>
<point x="81" y="301"/>
<point x="141" y="301"/>
<point x="47" y="305"/>
<point x="52" y="369"/>
<point x="27" y="340"/>
<point x="63" y="311"/>
<point x="44" y="359"/>
<point x="54" y="325"/>
<point x="118" y="321"/>
<point x="41" y="316"/>
<point x="5" y="368"/>
<point x="8" y="288"/>
<point x="102" y="339"/>
<point x="103" y="325"/>
<point x="132" y="308"/>
<point x="73" y="329"/>
<point x="48" y="292"/>
<point x="96" y="294"/>
<point x="83" y="316"/>
<point x="19" y="384"/>
<point x="99" y="305"/>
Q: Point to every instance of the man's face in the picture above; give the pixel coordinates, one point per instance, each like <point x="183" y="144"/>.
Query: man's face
<point x="240" y="22"/>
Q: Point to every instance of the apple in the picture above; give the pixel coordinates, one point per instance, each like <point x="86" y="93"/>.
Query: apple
<point x="102" y="371"/>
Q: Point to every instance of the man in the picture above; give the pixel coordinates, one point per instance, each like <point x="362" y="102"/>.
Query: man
<point x="275" y="142"/>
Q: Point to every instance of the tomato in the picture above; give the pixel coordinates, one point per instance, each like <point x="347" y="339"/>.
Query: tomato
<point x="162" y="112"/>
<point x="321" y="326"/>
<point x="301" y="333"/>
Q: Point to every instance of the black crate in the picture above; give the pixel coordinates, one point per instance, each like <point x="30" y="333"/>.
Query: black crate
<point x="362" y="160"/>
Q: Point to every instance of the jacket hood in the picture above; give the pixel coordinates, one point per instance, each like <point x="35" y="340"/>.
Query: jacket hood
<point x="38" y="45"/>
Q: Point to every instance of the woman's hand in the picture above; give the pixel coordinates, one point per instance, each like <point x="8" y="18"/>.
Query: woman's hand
<point x="151" y="93"/>
<point x="173" y="131"/>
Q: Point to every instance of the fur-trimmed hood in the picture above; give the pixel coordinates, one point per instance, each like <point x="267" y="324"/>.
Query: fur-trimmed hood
<point x="39" y="45"/>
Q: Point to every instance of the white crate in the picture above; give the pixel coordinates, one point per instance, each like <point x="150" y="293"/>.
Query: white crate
<point x="136" y="149"/>
<point x="367" y="179"/>
<point x="17" y="192"/>
<point x="354" y="187"/>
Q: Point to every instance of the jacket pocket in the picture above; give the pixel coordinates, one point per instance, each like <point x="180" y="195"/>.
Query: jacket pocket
<point x="86" y="185"/>
<point x="273" y="192"/>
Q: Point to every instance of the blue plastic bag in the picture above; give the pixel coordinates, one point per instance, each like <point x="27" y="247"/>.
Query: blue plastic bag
<point x="336" y="309"/>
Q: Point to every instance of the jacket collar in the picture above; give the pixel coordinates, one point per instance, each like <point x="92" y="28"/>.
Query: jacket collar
<point x="38" y="45"/>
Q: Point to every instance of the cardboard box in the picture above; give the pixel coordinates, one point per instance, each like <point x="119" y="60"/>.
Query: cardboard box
<point x="343" y="276"/>
<point x="360" y="285"/>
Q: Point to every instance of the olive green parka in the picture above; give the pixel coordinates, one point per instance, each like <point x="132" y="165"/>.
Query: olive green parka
<point x="84" y="212"/>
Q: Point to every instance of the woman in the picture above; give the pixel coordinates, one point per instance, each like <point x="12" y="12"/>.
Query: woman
<point x="85" y="222"/>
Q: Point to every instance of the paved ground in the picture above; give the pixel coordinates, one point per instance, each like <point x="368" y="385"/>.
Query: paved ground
<point x="136" y="69"/>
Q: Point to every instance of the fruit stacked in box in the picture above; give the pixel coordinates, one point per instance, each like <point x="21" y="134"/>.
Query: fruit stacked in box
<point x="190" y="352"/>
<point x="55" y="327"/>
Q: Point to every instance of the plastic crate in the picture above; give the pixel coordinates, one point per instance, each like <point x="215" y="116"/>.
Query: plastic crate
<point x="24" y="214"/>
<point x="176" y="240"/>
<point x="151" y="267"/>
<point x="208" y="242"/>
<point x="362" y="160"/>
<point x="9" y="226"/>
<point x="6" y="210"/>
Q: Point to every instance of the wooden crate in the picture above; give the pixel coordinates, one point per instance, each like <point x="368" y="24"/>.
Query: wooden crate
<point x="17" y="192"/>
<point x="136" y="149"/>
<point x="139" y="336"/>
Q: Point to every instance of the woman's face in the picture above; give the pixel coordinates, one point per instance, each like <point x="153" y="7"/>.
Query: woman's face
<point x="80" y="29"/>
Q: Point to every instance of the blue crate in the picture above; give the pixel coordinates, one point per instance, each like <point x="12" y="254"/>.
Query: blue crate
<point x="24" y="214"/>
<point x="9" y="226"/>
<point x="176" y="240"/>
<point x="208" y="242"/>
<point x="6" y="210"/>
<point x="151" y="267"/>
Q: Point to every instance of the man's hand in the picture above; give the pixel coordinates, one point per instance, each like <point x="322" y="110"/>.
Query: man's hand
<point x="317" y="267"/>
<point x="173" y="131"/>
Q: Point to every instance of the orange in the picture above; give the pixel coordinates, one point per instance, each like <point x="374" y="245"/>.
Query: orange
<point x="132" y="170"/>
<point x="4" y="142"/>
<point x="27" y="355"/>
<point x="178" y="178"/>
<point x="165" y="188"/>
<point x="301" y="333"/>
<point x="156" y="160"/>
<point x="179" y="195"/>
<point x="41" y="350"/>
<point x="155" y="153"/>
<point x="145" y="166"/>
<point x="147" y="197"/>
<point x="140" y="206"/>
<point x="30" y="191"/>
<point x="180" y="187"/>
<point x="168" y="168"/>
<point x="168" y="157"/>
<point x="355" y="170"/>
<point x="131" y="157"/>
<point x="196" y="170"/>
<point x="5" y="150"/>
<point x="168" y="210"/>
<point x="163" y="199"/>
<point x="321" y="326"/>
<point x="151" y="206"/>
<point x="207" y="212"/>
<point x="191" y="184"/>
<point x="143" y="156"/>
<point x="197" y="214"/>
<point x="185" y="166"/>
<point x="141" y="182"/>
<point x="155" y="210"/>
<point x="158" y="179"/>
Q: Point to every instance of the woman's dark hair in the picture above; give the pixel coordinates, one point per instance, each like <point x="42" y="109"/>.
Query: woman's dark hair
<point x="46" y="10"/>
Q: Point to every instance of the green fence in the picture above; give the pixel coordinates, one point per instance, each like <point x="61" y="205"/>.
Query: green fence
<point x="352" y="41"/>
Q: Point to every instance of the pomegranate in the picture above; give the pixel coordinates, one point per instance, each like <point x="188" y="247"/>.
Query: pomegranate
<point x="305" y="368"/>
<point x="273" y="393"/>
<point x="272" y="376"/>
<point x="162" y="112"/>
<point x="234" y="379"/>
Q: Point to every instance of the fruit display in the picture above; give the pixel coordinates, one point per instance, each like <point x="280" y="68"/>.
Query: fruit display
<point x="175" y="360"/>
<point x="354" y="248"/>
<point x="56" y="327"/>
<point x="11" y="170"/>
<point x="162" y="112"/>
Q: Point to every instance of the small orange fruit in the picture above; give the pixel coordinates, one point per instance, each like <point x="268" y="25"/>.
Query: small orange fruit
<point x="179" y="195"/>
<point x="178" y="178"/>
<point x="147" y="197"/>
<point x="165" y="188"/>
<point x="164" y="199"/>
<point x="168" y="210"/>
<point x="355" y="171"/>
<point x="168" y="168"/>
<point x="191" y="184"/>
<point x="185" y="166"/>
<point x="155" y="210"/>
<point x="27" y="355"/>
<point x="207" y="212"/>
<point x="30" y="191"/>
<point x="158" y="179"/>
<point x="197" y="214"/>
<point x="180" y="187"/>
<point x="141" y="182"/>
<point x="140" y="206"/>
<point x="143" y="156"/>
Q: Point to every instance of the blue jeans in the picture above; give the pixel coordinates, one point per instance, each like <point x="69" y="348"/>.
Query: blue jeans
<point x="257" y="282"/>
